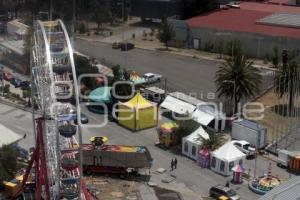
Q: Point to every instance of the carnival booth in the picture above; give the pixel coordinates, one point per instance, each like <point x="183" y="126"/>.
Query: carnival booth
<point x="203" y="159"/>
<point x="225" y="158"/>
<point x="191" y="144"/>
<point x="100" y="99"/>
<point x="137" y="113"/>
<point x="166" y="133"/>
<point x="238" y="171"/>
<point x="136" y="79"/>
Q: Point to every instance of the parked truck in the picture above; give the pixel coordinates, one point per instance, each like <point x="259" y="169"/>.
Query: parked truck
<point x="115" y="159"/>
<point x="289" y="159"/>
<point x="252" y="132"/>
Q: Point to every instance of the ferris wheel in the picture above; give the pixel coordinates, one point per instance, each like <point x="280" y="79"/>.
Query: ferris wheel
<point x="54" y="88"/>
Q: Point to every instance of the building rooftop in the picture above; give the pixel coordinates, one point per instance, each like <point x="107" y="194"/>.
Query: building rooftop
<point x="245" y="19"/>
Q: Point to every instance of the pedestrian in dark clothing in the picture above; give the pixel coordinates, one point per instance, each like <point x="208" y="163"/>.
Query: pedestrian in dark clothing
<point x="175" y="163"/>
<point x="227" y="184"/>
<point x="172" y="165"/>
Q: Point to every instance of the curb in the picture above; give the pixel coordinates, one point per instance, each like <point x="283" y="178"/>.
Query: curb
<point x="18" y="106"/>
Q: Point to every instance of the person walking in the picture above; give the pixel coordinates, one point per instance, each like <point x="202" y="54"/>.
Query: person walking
<point x="227" y="184"/>
<point x="172" y="165"/>
<point x="175" y="163"/>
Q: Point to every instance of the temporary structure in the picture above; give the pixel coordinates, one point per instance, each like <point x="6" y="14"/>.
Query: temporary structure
<point x="166" y="133"/>
<point x="237" y="173"/>
<point x="8" y="136"/>
<point x="225" y="158"/>
<point x="209" y="116"/>
<point x="136" y="79"/>
<point x="137" y="113"/>
<point x="203" y="158"/>
<point x="101" y="95"/>
<point x="191" y="143"/>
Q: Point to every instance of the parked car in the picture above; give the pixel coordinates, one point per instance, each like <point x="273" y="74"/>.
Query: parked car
<point x="84" y="118"/>
<point x="7" y="76"/>
<point x="116" y="45"/>
<point x="220" y="190"/>
<point x="25" y="85"/>
<point x="152" y="78"/>
<point x="126" y="46"/>
<point x="16" y="82"/>
<point x="244" y="147"/>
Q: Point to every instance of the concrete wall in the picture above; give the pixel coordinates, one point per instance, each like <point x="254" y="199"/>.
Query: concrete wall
<point x="254" y="45"/>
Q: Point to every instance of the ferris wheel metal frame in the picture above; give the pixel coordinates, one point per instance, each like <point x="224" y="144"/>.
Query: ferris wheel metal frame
<point x="58" y="154"/>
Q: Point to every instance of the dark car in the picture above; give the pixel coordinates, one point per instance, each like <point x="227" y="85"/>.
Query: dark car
<point x="16" y="82"/>
<point x="84" y="118"/>
<point x="126" y="46"/>
<point x="116" y="45"/>
<point x="25" y="85"/>
<point x="220" y="190"/>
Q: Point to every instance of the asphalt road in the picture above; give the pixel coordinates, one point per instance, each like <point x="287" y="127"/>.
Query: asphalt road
<point x="188" y="173"/>
<point x="183" y="73"/>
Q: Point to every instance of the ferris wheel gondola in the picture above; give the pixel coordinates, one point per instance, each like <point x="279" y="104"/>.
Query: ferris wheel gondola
<point x="55" y="84"/>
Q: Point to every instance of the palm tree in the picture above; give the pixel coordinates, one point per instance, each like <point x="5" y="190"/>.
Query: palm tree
<point x="287" y="80"/>
<point x="214" y="142"/>
<point x="237" y="79"/>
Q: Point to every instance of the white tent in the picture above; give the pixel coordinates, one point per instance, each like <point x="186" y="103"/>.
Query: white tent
<point x="177" y="106"/>
<point x="8" y="136"/>
<point x="225" y="158"/>
<point x="191" y="143"/>
<point x="205" y="114"/>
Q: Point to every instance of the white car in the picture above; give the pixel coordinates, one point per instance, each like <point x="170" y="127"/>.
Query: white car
<point x="244" y="147"/>
<point x="152" y="78"/>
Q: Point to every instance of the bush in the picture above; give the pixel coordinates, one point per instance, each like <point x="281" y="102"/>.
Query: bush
<point x="208" y="46"/>
<point x="82" y="28"/>
<point x="152" y="32"/>
<point x="6" y="88"/>
<point x="234" y="47"/>
<point x="219" y="47"/>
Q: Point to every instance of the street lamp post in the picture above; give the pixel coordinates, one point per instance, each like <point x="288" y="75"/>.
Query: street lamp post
<point x="234" y="93"/>
<point x="2" y="79"/>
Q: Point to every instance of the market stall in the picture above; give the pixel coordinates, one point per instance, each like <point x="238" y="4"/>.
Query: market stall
<point x="225" y="158"/>
<point x="203" y="159"/>
<point x="166" y="133"/>
<point x="137" y="113"/>
<point x="191" y="144"/>
<point x="238" y="171"/>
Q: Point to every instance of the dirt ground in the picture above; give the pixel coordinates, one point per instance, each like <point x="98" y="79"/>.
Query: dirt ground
<point x="275" y="114"/>
<point x="108" y="188"/>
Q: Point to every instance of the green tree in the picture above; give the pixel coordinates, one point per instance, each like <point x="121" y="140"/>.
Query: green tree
<point x="121" y="89"/>
<point x="237" y="79"/>
<point x="83" y="66"/>
<point x="8" y="163"/>
<point x="28" y="42"/>
<point x="186" y="125"/>
<point x="275" y="57"/>
<point x="286" y="80"/>
<point x="215" y="141"/>
<point x="166" y="32"/>
<point x="6" y="88"/>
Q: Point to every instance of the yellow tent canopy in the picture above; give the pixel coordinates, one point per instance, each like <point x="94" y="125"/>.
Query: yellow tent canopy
<point x="137" y="113"/>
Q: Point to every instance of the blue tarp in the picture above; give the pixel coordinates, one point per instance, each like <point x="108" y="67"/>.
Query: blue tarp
<point x="101" y="95"/>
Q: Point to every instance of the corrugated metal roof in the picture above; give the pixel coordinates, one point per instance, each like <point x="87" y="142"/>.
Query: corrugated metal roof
<point x="249" y="124"/>
<point x="286" y="191"/>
